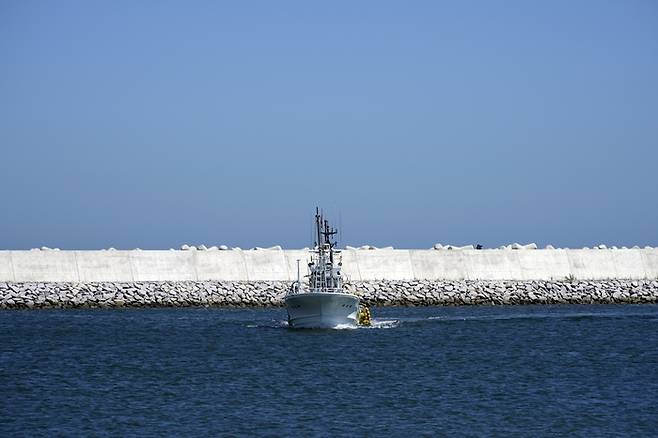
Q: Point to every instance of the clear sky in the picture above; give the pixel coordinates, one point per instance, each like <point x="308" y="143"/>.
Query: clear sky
<point x="156" y="123"/>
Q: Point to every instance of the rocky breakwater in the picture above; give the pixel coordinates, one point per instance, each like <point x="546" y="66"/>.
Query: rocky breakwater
<point x="141" y="294"/>
<point x="480" y="292"/>
<point x="271" y="293"/>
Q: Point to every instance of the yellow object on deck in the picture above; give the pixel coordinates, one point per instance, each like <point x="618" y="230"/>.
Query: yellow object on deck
<point x="364" y="316"/>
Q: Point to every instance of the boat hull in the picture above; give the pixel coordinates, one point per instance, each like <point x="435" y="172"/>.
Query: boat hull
<point x="322" y="310"/>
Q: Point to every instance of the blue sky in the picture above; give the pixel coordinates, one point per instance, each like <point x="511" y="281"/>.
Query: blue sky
<point x="151" y="124"/>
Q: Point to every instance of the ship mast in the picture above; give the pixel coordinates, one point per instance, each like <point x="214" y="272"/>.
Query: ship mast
<point x="324" y="274"/>
<point x="318" y="219"/>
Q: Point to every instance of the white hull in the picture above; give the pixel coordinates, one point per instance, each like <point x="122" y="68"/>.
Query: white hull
<point x="322" y="310"/>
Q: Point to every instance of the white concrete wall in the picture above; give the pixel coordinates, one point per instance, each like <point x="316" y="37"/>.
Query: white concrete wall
<point x="490" y="264"/>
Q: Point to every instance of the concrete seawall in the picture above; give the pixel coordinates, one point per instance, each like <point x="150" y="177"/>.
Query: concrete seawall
<point x="63" y="279"/>
<point x="358" y="265"/>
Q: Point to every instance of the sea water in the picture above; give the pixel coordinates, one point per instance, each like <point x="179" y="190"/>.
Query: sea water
<point x="531" y="370"/>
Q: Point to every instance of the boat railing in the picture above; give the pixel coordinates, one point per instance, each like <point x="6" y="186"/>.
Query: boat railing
<point x="327" y="289"/>
<point x="296" y="288"/>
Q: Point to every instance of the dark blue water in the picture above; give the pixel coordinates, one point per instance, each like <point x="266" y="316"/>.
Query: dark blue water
<point x="583" y="370"/>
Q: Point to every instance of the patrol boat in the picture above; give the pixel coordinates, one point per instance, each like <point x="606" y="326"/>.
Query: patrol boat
<point x="324" y="304"/>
